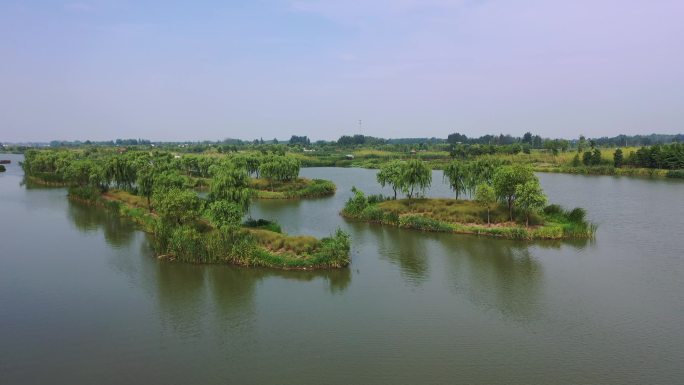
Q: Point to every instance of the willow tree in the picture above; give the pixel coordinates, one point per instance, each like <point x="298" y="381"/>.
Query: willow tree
<point x="416" y="177"/>
<point x="456" y="173"/>
<point x="177" y="206"/>
<point x="279" y="168"/>
<point x="390" y="174"/>
<point x="230" y="184"/>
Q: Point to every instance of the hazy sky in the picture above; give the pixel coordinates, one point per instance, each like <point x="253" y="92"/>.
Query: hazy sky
<point x="190" y="70"/>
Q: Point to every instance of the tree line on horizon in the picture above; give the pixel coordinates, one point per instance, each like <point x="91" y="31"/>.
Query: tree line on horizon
<point x="528" y="139"/>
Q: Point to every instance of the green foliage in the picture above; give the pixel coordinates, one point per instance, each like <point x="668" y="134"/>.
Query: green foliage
<point x="596" y="157"/>
<point x="576" y="161"/>
<point x="177" y="206"/>
<point x="618" y="158"/>
<point x="166" y="180"/>
<point x="280" y="168"/>
<point x="670" y="156"/>
<point x="85" y="193"/>
<point x="416" y="177"/>
<point x="231" y="184"/>
<point x="355" y="204"/>
<point x="530" y="198"/>
<point x="224" y="213"/>
<point x="298" y="188"/>
<point x="485" y="196"/>
<point x="507" y="179"/>
<point x="456" y="174"/>
<point x="675" y="174"/>
<point x="145" y="184"/>
<point x="419" y="222"/>
<point x="334" y="250"/>
<point x="2" y="168"/>
<point x="263" y="224"/>
<point x="390" y="174"/>
<point x="577" y="215"/>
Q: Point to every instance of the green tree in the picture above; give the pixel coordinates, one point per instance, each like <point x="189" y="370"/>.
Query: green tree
<point x="279" y="168"/>
<point x="416" y="177"/>
<point x="596" y="157"/>
<point x="145" y="182"/>
<point x="530" y="198"/>
<point x="481" y="171"/>
<point x="166" y="180"/>
<point x="506" y="179"/>
<point x="485" y="196"/>
<point x="390" y="174"/>
<point x="581" y="144"/>
<point x="576" y="161"/>
<point x="586" y="158"/>
<point x="224" y="213"/>
<point x="618" y="158"/>
<point x="177" y="206"/>
<point x="231" y="184"/>
<point x="456" y="173"/>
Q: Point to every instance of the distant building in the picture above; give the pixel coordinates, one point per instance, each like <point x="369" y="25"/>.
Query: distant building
<point x="349" y="157"/>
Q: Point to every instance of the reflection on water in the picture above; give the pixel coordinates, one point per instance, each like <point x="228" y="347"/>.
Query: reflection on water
<point x="410" y="253"/>
<point x="182" y="289"/>
<point x="498" y="274"/>
<point x="117" y="231"/>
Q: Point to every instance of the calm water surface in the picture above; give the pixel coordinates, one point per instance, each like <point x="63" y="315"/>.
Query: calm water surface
<point x="83" y="300"/>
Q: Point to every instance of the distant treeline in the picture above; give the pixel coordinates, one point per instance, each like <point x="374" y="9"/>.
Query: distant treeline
<point x="534" y="141"/>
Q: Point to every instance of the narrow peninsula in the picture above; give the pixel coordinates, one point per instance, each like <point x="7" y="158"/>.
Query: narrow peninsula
<point x="157" y="190"/>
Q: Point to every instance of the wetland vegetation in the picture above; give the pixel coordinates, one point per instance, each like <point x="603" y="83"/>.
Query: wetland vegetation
<point x="151" y="189"/>
<point x="508" y="202"/>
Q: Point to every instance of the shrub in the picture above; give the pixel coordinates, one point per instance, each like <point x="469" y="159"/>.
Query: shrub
<point x="334" y="250"/>
<point x="675" y="174"/>
<point x="356" y="204"/>
<point x="554" y="209"/>
<point x="373" y="213"/>
<point x="263" y="224"/>
<point x="577" y="215"/>
<point x="86" y="193"/>
<point x="420" y="222"/>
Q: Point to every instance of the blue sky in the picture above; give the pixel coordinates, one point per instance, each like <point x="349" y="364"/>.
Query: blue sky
<point x="167" y="70"/>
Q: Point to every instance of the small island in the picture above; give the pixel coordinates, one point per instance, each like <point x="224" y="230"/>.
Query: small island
<point x="291" y="189"/>
<point x="150" y="189"/>
<point x="509" y="203"/>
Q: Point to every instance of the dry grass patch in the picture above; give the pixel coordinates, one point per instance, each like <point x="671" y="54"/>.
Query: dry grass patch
<point x="446" y="210"/>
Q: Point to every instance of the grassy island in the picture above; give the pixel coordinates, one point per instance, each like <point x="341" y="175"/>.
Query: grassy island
<point x="509" y="203"/>
<point x="467" y="217"/>
<point x="296" y="188"/>
<point x="151" y="189"/>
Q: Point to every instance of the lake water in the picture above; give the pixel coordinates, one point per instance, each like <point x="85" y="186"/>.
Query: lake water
<point x="84" y="301"/>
